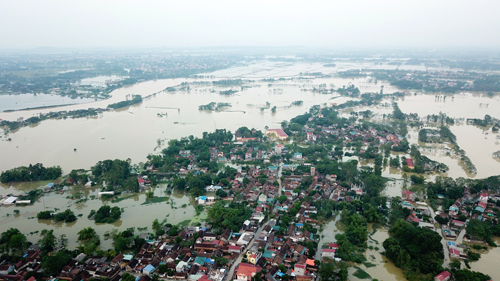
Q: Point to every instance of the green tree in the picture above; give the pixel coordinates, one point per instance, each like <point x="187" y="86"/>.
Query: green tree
<point x="47" y="241"/>
<point x="86" y="234"/>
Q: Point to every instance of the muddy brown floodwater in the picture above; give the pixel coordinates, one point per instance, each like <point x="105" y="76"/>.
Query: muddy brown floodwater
<point x="377" y="265"/>
<point x="138" y="130"/>
<point x="133" y="132"/>
<point x="488" y="263"/>
<point x="137" y="213"/>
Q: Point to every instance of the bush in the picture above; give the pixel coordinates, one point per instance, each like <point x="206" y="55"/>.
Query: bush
<point x="106" y="214"/>
<point x="44" y="215"/>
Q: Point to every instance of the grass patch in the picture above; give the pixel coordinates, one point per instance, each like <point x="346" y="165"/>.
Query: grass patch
<point x="184" y="223"/>
<point x="155" y="200"/>
<point x="119" y="199"/>
<point x="369" y="264"/>
<point x="361" y="274"/>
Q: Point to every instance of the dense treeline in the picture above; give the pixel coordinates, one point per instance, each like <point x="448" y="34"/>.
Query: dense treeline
<point x="232" y="216"/>
<point x="414" y="248"/>
<point x="116" y="174"/>
<point x="66" y="216"/>
<point x="106" y="214"/>
<point x="32" y="173"/>
<point x="134" y="100"/>
<point x="488" y="83"/>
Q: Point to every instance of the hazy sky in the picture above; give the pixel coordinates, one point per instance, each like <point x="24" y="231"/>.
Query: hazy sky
<point x="198" y="23"/>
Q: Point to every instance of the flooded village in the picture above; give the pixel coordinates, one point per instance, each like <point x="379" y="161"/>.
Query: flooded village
<point x="265" y="169"/>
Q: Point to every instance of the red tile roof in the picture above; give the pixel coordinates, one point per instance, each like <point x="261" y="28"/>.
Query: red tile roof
<point x="247" y="269"/>
<point x="443" y="275"/>
<point x="280" y="132"/>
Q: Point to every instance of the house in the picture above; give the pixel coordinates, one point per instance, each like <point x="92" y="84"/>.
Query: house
<point x="253" y="258"/>
<point x="233" y="249"/>
<point x="481" y="204"/>
<point x="458" y="223"/>
<point x="212" y="188"/>
<point x="210" y="237"/>
<point x="409" y="163"/>
<point x="328" y="253"/>
<point x="297" y="156"/>
<point x="5" y="269"/>
<point x="267" y="229"/>
<point x="300" y="269"/>
<point x="276" y="133"/>
<point x="246" y="271"/>
<point x="181" y="267"/>
<point x="454" y="253"/>
<point x="244" y="239"/>
<point x="131" y="265"/>
<point x="333" y="245"/>
<point x="408" y="195"/>
<point x="311" y="136"/>
<point x="406" y="205"/>
<point x="483" y="197"/>
<point x="443" y="276"/>
<point x="117" y="260"/>
<point x="148" y="270"/>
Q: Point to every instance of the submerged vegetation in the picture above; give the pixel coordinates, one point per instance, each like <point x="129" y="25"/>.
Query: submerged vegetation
<point x="66" y="216"/>
<point x="135" y="99"/>
<point x="35" y="172"/>
<point x="213" y="106"/>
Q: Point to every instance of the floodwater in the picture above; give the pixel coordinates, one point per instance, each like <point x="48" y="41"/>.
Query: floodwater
<point x="23" y="101"/>
<point x="100" y="81"/>
<point x="137" y="213"/>
<point x="488" y="263"/>
<point x="478" y="143"/>
<point x="136" y="131"/>
<point x="376" y="261"/>
<point x="379" y="266"/>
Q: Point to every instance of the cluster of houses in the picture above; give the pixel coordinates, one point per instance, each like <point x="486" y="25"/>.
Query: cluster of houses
<point x="478" y="207"/>
<point x="418" y="209"/>
<point x="210" y="256"/>
<point x="199" y="254"/>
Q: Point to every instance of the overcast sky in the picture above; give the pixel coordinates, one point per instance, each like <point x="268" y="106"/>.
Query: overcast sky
<point x="200" y="23"/>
